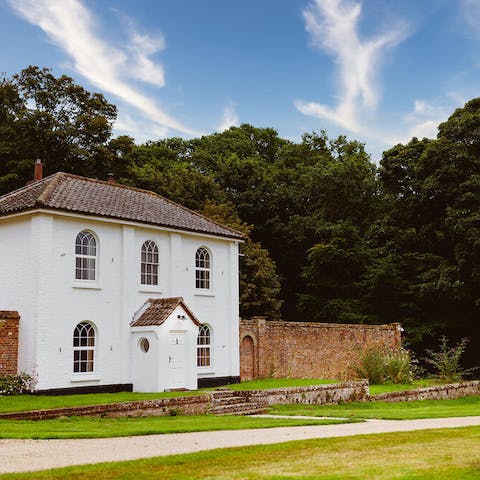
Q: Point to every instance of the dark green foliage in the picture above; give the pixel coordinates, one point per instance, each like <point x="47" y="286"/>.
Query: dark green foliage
<point x="430" y="230"/>
<point x="331" y="237"/>
<point x="259" y="282"/>
<point x="42" y="116"/>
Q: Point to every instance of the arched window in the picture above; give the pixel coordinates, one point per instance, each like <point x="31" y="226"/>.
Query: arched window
<point x="85" y="256"/>
<point x="204" y="342"/>
<point x="202" y="268"/>
<point x="149" y="263"/>
<point x="83" y="348"/>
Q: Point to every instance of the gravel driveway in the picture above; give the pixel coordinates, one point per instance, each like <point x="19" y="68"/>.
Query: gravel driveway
<point x="28" y="455"/>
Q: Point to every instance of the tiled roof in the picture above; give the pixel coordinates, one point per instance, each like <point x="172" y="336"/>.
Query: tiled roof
<point x="71" y="193"/>
<point x="157" y="310"/>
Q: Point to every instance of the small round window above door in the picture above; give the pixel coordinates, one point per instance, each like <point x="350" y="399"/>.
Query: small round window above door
<point x="144" y="345"/>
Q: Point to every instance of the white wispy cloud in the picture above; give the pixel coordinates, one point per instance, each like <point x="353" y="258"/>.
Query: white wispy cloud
<point x="70" y="25"/>
<point x="230" y="118"/>
<point x="333" y="28"/>
<point x="423" y="120"/>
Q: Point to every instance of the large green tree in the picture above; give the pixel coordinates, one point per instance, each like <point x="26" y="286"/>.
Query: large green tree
<point x="429" y="232"/>
<point x="51" y="118"/>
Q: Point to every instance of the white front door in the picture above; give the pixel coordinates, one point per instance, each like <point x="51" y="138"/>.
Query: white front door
<point x="177" y="360"/>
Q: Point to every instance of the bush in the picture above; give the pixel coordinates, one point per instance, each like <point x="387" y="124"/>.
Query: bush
<point x="372" y="365"/>
<point x="380" y="365"/>
<point x="399" y="366"/>
<point x="15" y="384"/>
<point x="446" y="361"/>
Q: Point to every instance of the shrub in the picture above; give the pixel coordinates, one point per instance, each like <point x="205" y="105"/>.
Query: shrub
<point x="446" y="361"/>
<point x="380" y="365"/>
<point x="15" y="384"/>
<point x="372" y="365"/>
<point x="399" y="366"/>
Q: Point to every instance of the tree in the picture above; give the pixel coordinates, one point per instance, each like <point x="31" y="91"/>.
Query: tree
<point x="42" y="116"/>
<point x="430" y="225"/>
<point x="259" y="282"/>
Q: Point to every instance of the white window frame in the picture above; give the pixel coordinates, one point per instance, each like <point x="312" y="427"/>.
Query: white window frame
<point x="204" y="347"/>
<point x="86" y="365"/>
<point x="203" y="269"/>
<point x="83" y="253"/>
<point x="148" y="253"/>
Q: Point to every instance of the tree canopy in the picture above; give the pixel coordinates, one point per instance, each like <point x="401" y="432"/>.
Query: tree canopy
<point x="331" y="236"/>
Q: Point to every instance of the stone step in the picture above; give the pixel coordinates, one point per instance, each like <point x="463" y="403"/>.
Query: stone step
<point x="226" y="394"/>
<point x="243" y="408"/>
<point x="228" y="400"/>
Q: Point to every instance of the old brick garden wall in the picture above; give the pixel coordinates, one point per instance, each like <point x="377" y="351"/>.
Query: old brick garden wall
<point x="9" y="322"/>
<point x="307" y="350"/>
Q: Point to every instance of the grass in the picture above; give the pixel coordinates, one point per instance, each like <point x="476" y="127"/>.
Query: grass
<point x="20" y="403"/>
<point x="422" y="455"/>
<point x="398" y="387"/>
<point x="23" y="403"/>
<point x="92" y="427"/>
<point x="460" y="407"/>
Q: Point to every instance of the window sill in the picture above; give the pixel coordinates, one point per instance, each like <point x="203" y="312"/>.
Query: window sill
<point x="87" y="285"/>
<point x="84" y="377"/>
<point x="150" y="289"/>
<point x="205" y="371"/>
<point x="204" y="293"/>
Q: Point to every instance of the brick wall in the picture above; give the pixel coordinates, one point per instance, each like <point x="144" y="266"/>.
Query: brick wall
<point x="9" y="322"/>
<point x="307" y="350"/>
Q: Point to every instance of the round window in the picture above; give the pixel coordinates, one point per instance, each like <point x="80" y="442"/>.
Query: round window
<point x="144" y="345"/>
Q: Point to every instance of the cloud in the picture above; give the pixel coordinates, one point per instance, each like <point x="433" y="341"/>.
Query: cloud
<point x="70" y="25"/>
<point x="422" y="121"/>
<point x="230" y="118"/>
<point x="333" y="28"/>
<point x="139" y="128"/>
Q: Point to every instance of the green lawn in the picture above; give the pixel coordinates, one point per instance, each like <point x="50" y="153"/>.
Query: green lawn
<point x="21" y="403"/>
<point x="92" y="427"/>
<point x="460" y="407"/>
<point x="398" y="387"/>
<point x="422" y="455"/>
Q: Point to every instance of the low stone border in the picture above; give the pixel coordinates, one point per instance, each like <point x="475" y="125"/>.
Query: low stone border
<point x="437" y="392"/>
<point x="354" y="391"/>
<point x="201" y="404"/>
<point x="194" y="405"/>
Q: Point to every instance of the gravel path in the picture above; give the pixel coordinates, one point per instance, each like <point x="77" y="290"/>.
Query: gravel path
<point x="29" y="455"/>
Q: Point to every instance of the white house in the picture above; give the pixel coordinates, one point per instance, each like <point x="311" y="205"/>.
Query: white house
<point x="118" y="288"/>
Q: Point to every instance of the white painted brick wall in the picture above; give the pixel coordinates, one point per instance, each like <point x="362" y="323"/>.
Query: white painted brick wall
<point x="37" y="269"/>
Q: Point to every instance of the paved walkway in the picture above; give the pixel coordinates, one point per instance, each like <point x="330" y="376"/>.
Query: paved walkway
<point x="28" y="455"/>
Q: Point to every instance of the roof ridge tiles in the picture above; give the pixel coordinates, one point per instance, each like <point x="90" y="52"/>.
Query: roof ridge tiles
<point x="54" y="180"/>
<point x="26" y="187"/>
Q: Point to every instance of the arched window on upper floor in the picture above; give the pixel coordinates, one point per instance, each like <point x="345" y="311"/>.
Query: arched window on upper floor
<point x="86" y="251"/>
<point x="203" y="268"/>
<point x="149" y="263"/>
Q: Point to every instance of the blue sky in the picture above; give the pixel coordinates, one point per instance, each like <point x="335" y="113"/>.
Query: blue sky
<point x="379" y="71"/>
